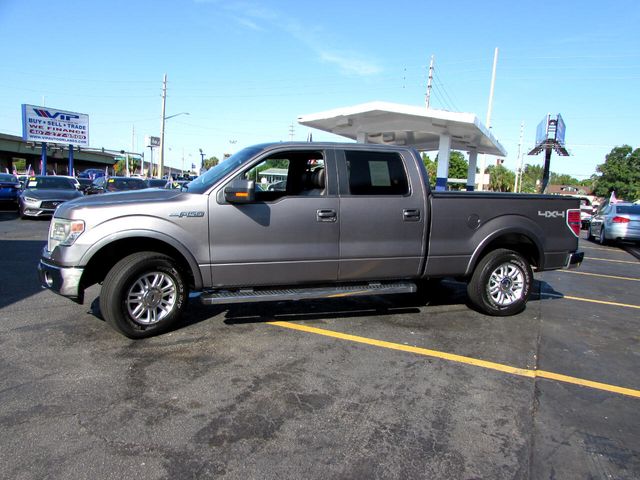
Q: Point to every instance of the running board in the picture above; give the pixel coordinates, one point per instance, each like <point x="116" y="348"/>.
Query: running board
<point x="245" y="295"/>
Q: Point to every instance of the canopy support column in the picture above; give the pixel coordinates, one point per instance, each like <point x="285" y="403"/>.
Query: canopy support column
<point x="471" y="173"/>
<point x="443" y="162"/>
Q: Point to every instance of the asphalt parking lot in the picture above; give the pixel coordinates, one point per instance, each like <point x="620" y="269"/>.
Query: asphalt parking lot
<point x="380" y="387"/>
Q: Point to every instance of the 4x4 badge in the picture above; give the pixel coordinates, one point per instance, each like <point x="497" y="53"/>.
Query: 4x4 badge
<point x="551" y="214"/>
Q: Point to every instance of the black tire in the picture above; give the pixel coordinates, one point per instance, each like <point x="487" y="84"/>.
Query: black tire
<point x="590" y="236"/>
<point x="602" y="240"/>
<point x="144" y="294"/>
<point x="501" y="283"/>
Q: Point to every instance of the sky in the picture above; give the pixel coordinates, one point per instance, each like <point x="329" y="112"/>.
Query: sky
<point x="245" y="71"/>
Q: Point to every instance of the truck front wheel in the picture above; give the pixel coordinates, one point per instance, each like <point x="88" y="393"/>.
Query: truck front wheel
<point x="501" y="283"/>
<point x="143" y="295"/>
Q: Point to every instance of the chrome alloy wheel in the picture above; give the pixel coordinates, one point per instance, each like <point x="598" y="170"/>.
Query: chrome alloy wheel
<point x="506" y="284"/>
<point x="151" y="298"/>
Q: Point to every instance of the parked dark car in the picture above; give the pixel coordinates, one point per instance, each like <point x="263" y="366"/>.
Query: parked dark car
<point x="23" y="180"/>
<point x="176" y="184"/>
<point x="116" y="184"/>
<point x="156" y="182"/>
<point x="92" y="173"/>
<point x="618" y="221"/>
<point x="42" y="195"/>
<point x="9" y="190"/>
<point x="84" y="183"/>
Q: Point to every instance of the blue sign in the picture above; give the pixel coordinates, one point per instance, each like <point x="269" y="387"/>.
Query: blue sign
<point x="542" y="131"/>
<point x="560" y="129"/>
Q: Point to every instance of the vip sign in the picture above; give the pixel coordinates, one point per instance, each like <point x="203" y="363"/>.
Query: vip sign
<point x="44" y="124"/>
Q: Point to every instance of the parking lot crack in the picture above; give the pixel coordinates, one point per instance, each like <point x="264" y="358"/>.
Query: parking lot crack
<point x="535" y="392"/>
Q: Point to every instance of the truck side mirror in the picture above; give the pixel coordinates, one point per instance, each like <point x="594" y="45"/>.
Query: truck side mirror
<point x="240" y="191"/>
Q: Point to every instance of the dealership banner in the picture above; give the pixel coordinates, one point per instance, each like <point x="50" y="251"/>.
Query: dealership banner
<point x="45" y="124"/>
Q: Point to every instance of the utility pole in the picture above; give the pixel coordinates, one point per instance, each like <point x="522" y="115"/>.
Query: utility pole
<point x="518" y="185"/>
<point x="291" y="132"/>
<point x="164" y="102"/>
<point x="493" y="84"/>
<point x="489" y="112"/>
<point x="429" y="81"/>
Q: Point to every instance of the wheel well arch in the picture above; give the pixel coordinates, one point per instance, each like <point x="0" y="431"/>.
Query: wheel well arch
<point x="106" y="257"/>
<point x="519" y="242"/>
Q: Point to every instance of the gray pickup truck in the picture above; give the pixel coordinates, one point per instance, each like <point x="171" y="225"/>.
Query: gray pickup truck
<point x="292" y="221"/>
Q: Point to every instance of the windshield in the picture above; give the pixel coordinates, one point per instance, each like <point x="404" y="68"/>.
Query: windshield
<point x="53" y="182"/>
<point x="214" y="174"/>
<point x="7" y="177"/>
<point x="125" y="183"/>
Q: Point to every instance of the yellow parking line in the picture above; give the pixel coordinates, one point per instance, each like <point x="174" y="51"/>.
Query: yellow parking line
<point x="575" y="272"/>
<point x="611" y="250"/>
<point x="523" y="372"/>
<point x="609" y="260"/>
<point x="589" y="300"/>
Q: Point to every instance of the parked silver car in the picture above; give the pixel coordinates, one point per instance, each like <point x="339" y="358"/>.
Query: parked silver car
<point x="618" y="221"/>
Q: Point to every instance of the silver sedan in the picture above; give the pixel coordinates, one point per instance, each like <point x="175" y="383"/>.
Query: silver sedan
<point x="618" y="221"/>
<point x="43" y="194"/>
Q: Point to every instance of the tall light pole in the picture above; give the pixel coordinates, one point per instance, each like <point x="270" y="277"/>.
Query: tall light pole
<point x="201" y="161"/>
<point x="164" y="103"/>
<point x="164" y="118"/>
<point x="489" y="111"/>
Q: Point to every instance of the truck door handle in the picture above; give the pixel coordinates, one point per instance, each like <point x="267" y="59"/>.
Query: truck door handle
<point x="411" y="214"/>
<point x="328" y="215"/>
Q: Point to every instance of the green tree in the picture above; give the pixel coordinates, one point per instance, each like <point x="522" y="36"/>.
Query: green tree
<point x="120" y="166"/>
<point x="211" y="162"/>
<point x="19" y="164"/>
<point x="458" y="168"/>
<point x="620" y="174"/>
<point x="562" y="179"/>
<point x="501" y="179"/>
<point x="431" y="168"/>
<point x="531" y="176"/>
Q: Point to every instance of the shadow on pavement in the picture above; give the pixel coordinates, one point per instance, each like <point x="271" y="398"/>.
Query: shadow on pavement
<point x="18" y="270"/>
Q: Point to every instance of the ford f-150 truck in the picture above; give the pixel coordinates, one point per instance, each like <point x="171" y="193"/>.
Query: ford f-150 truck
<point x="292" y="221"/>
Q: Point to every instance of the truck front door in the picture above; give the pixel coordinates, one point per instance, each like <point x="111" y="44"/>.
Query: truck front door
<point x="289" y="234"/>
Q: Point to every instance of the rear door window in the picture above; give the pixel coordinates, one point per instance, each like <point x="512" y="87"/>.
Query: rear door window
<point x="376" y="173"/>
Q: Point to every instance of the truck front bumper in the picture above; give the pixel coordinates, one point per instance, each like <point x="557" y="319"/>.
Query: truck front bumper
<point x="574" y="260"/>
<point x="64" y="281"/>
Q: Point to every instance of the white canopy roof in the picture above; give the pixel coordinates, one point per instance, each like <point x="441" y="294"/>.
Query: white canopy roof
<point x="396" y="124"/>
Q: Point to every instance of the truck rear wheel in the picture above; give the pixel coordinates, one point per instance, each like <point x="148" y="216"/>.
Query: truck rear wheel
<point x="143" y="295"/>
<point x="501" y="283"/>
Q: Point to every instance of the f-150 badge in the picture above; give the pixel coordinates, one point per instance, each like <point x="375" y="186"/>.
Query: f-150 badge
<point x="187" y="214"/>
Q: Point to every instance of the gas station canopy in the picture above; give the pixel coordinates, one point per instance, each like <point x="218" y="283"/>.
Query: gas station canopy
<point x="396" y="124"/>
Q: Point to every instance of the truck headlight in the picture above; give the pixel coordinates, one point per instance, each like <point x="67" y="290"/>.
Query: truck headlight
<point x="64" y="232"/>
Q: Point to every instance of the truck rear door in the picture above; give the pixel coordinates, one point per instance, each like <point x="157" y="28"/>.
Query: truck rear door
<point x="383" y="214"/>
